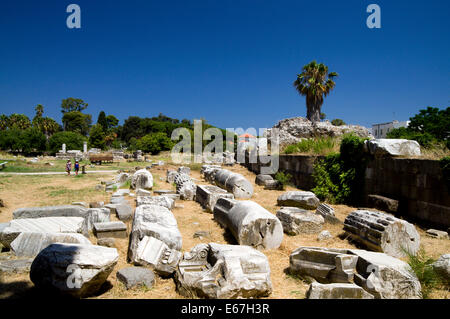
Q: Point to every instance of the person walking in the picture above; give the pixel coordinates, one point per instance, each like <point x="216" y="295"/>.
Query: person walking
<point x="68" y="167"/>
<point x="77" y="167"/>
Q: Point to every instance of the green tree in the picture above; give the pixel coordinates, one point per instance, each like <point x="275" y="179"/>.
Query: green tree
<point x="102" y="121"/>
<point x="73" y="105"/>
<point x="25" y="141"/>
<point x="4" y="122"/>
<point x="112" y="122"/>
<point x="77" y="122"/>
<point x="154" y="143"/>
<point x="39" y="110"/>
<point x="73" y="141"/>
<point x="19" y="121"/>
<point x="97" y="137"/>
<point x="314" y="83"/>
<point x="337" y="122"/>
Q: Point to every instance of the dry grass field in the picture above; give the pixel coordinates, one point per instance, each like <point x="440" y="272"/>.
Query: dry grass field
<point x="22" y="191"/>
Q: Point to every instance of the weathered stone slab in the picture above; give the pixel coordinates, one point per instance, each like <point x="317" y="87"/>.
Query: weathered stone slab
<point x="136" y="276"/>
<point x="250" y="223"/>
<point x="223" y="272"/>
<point x="43" y="225"/>
<point x="382" y="232"/>
<point x="297" y="221"/>
<point x="393" y="147"/>
<point x="383" y="203"/>
<point x="164" y="201"/>
<point x="261" y="179"/>
<point x="77" y="270"/>
<point x="121" y="192"/>
<point x="124" y="212"/>
<point x="324" y="265"/>
<point x="143" y="192"/>
<point x="50" y="211"/>
<point x="118" y="200"/>
<point x="153" y="252"/>
<point x="439" y="234"/>
<point x="110" y="230"/>
<point x="153" y="221"/>
<point x="327" y="212"/>
<point x="15" y="265"/>
<point x="301" y="199"/>
<point x="142" y="179"/>
<point x="337" y="291"/>
<point x="273" y="185"/>
<point x="97" y="215"/>
<point x="107" y="242"/>
<point x="30" y="244"/>
<point x="207" y="196"/>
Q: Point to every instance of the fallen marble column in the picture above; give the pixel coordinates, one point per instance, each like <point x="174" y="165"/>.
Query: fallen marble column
<point x="207" y="196"/>
<point x="73" y="269"/>
<point x="223" y="272"/>
<point x="234" y="183"/>
<point x="30" y="244"/>
<point x="157" y="222"/>
<point x="381" y="232"/>
<point x="43" y="225"/>
<point x="185" y="186"/>
<point x="250" y="223"/>
<point x="110" y="230"/>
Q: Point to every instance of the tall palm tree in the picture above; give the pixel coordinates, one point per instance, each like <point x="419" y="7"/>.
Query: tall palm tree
<point x="39" y="110"/>
<point x="314" y="83"/>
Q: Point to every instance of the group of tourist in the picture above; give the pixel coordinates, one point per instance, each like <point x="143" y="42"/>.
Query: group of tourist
<point x="69" y="167"/>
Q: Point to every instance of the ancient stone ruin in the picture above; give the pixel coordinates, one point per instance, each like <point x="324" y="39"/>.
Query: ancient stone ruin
<point x="223" y="271"/>
<point x="249" y="223"/>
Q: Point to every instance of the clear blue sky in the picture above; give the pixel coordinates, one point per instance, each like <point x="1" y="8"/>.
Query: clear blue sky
<point x="231" y="62"/>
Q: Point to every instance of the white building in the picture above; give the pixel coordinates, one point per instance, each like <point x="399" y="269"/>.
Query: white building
<point x="380" y="130"/>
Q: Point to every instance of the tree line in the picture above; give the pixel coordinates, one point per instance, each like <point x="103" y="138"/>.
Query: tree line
<point x="19" y="134"/>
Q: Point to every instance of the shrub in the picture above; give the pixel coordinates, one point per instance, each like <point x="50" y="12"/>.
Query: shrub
<point x="316" y="146"/>
<point x="26" y="141"/>
<point x="73" y="141"/>
<point x="339" y="178"/>
<point x="283" y="178"/>
<point x="337" y="122"/>
<point x="421" y="267"/>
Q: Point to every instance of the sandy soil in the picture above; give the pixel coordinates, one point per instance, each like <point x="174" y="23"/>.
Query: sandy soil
<point x="22" y="191"/>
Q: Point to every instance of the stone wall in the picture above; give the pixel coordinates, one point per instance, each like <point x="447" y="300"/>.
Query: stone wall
<point x="417" y="184"/>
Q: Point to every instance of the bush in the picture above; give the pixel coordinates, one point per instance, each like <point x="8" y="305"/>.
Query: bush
<point x="283" y="178"/>
<point x="73" y="141"/>
<point x="423" y="138"/>
<point x="339" y="178"/>
<point x="337" y="122"/>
